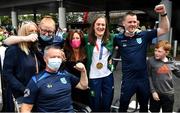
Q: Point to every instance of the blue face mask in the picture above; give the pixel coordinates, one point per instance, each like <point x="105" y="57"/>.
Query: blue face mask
<point x="45" y="38"/>
<point x="54" y="63"/>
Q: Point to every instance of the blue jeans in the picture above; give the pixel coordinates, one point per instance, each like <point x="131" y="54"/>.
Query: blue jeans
<point x="101" y="93"/>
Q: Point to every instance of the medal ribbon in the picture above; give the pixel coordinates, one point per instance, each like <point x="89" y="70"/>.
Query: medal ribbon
<point x="101" y="51"/>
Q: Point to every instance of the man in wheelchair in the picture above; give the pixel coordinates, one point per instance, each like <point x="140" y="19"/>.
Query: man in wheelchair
<point x="50" y="90"/>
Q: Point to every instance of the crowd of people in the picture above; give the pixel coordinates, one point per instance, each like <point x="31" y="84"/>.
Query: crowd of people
<point x="45" y="71"/>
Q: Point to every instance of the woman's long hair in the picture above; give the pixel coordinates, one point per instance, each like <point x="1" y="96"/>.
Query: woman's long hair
<point x="68" y="48"/>
<point x="91" y="34"/>
<point x="24" y="30"/>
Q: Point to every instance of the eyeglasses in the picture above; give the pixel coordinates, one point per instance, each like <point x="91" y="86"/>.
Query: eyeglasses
<point x="47" y="31"/>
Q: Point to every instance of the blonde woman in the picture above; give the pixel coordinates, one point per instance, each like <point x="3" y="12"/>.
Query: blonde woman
<point x="20" y="62"/>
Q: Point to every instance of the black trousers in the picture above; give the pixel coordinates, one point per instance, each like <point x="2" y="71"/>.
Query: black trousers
<point x="166" y="103"/>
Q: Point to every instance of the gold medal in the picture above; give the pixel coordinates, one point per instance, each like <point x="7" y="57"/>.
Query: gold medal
<point x="99" y="65"/>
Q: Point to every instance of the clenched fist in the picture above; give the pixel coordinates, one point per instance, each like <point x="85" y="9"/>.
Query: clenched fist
<point x="80" y="66"/>
<point x="160" y="9"/>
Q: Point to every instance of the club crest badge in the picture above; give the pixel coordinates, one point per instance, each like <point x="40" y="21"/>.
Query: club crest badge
<point x="63" y="80"/>
<point x="139" y="40"/>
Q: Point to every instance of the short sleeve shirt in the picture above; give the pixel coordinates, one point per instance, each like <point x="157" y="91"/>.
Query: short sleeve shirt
<point x="133" y="51"/>
<point x="51" y="92"/>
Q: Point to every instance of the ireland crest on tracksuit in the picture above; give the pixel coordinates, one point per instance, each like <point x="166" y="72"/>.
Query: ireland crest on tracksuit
<point x="139" y="40"/>
<point x="63" y="80"/>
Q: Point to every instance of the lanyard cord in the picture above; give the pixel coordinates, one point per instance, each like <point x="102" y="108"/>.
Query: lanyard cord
<point x="37" y="67"/>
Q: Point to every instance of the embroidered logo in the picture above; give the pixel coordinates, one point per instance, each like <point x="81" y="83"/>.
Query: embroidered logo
<point x="26" y="92"/>
<point x="123" y="40"/>
<point x="92" y="93"/>
<point x="124" y="44"/>
<point x="49" y="85"/>
<point x="139" y="40"/>
<point x="63" y="80"/>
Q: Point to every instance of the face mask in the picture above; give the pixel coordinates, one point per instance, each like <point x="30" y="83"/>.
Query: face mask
<point x="75" y="43"/>
<point x="45" y="38"/>
<point x="54" y="63"/>
<point x="130" y="33"/>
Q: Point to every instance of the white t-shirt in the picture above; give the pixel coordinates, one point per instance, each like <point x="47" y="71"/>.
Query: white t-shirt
<point x="104" y="71"/>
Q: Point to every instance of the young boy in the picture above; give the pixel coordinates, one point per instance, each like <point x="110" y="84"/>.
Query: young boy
<point x="161" y="69"/>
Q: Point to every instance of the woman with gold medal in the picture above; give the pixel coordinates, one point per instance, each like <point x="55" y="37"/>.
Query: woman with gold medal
<point x="99" y="46"/>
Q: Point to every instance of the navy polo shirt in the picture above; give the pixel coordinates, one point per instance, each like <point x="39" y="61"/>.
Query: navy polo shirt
<point x="133" y="53"/>
<point x="51" y="92"/>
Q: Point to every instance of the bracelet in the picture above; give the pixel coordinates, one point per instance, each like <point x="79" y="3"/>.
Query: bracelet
<point x="165" y="14"/>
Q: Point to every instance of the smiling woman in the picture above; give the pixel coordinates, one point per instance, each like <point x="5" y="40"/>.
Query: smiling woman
<point x="99" y="48"/>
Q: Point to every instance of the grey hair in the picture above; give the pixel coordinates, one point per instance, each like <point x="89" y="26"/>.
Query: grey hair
<point x="50" y="47"/>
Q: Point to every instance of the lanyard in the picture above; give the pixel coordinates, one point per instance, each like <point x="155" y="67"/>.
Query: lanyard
<point x="37" y="67"/>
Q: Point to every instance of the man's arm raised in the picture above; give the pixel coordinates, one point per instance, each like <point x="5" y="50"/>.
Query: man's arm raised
<point x="164" y="25"/>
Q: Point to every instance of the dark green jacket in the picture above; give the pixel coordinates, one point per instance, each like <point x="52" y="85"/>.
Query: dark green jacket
<point x="90" y="48"/>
